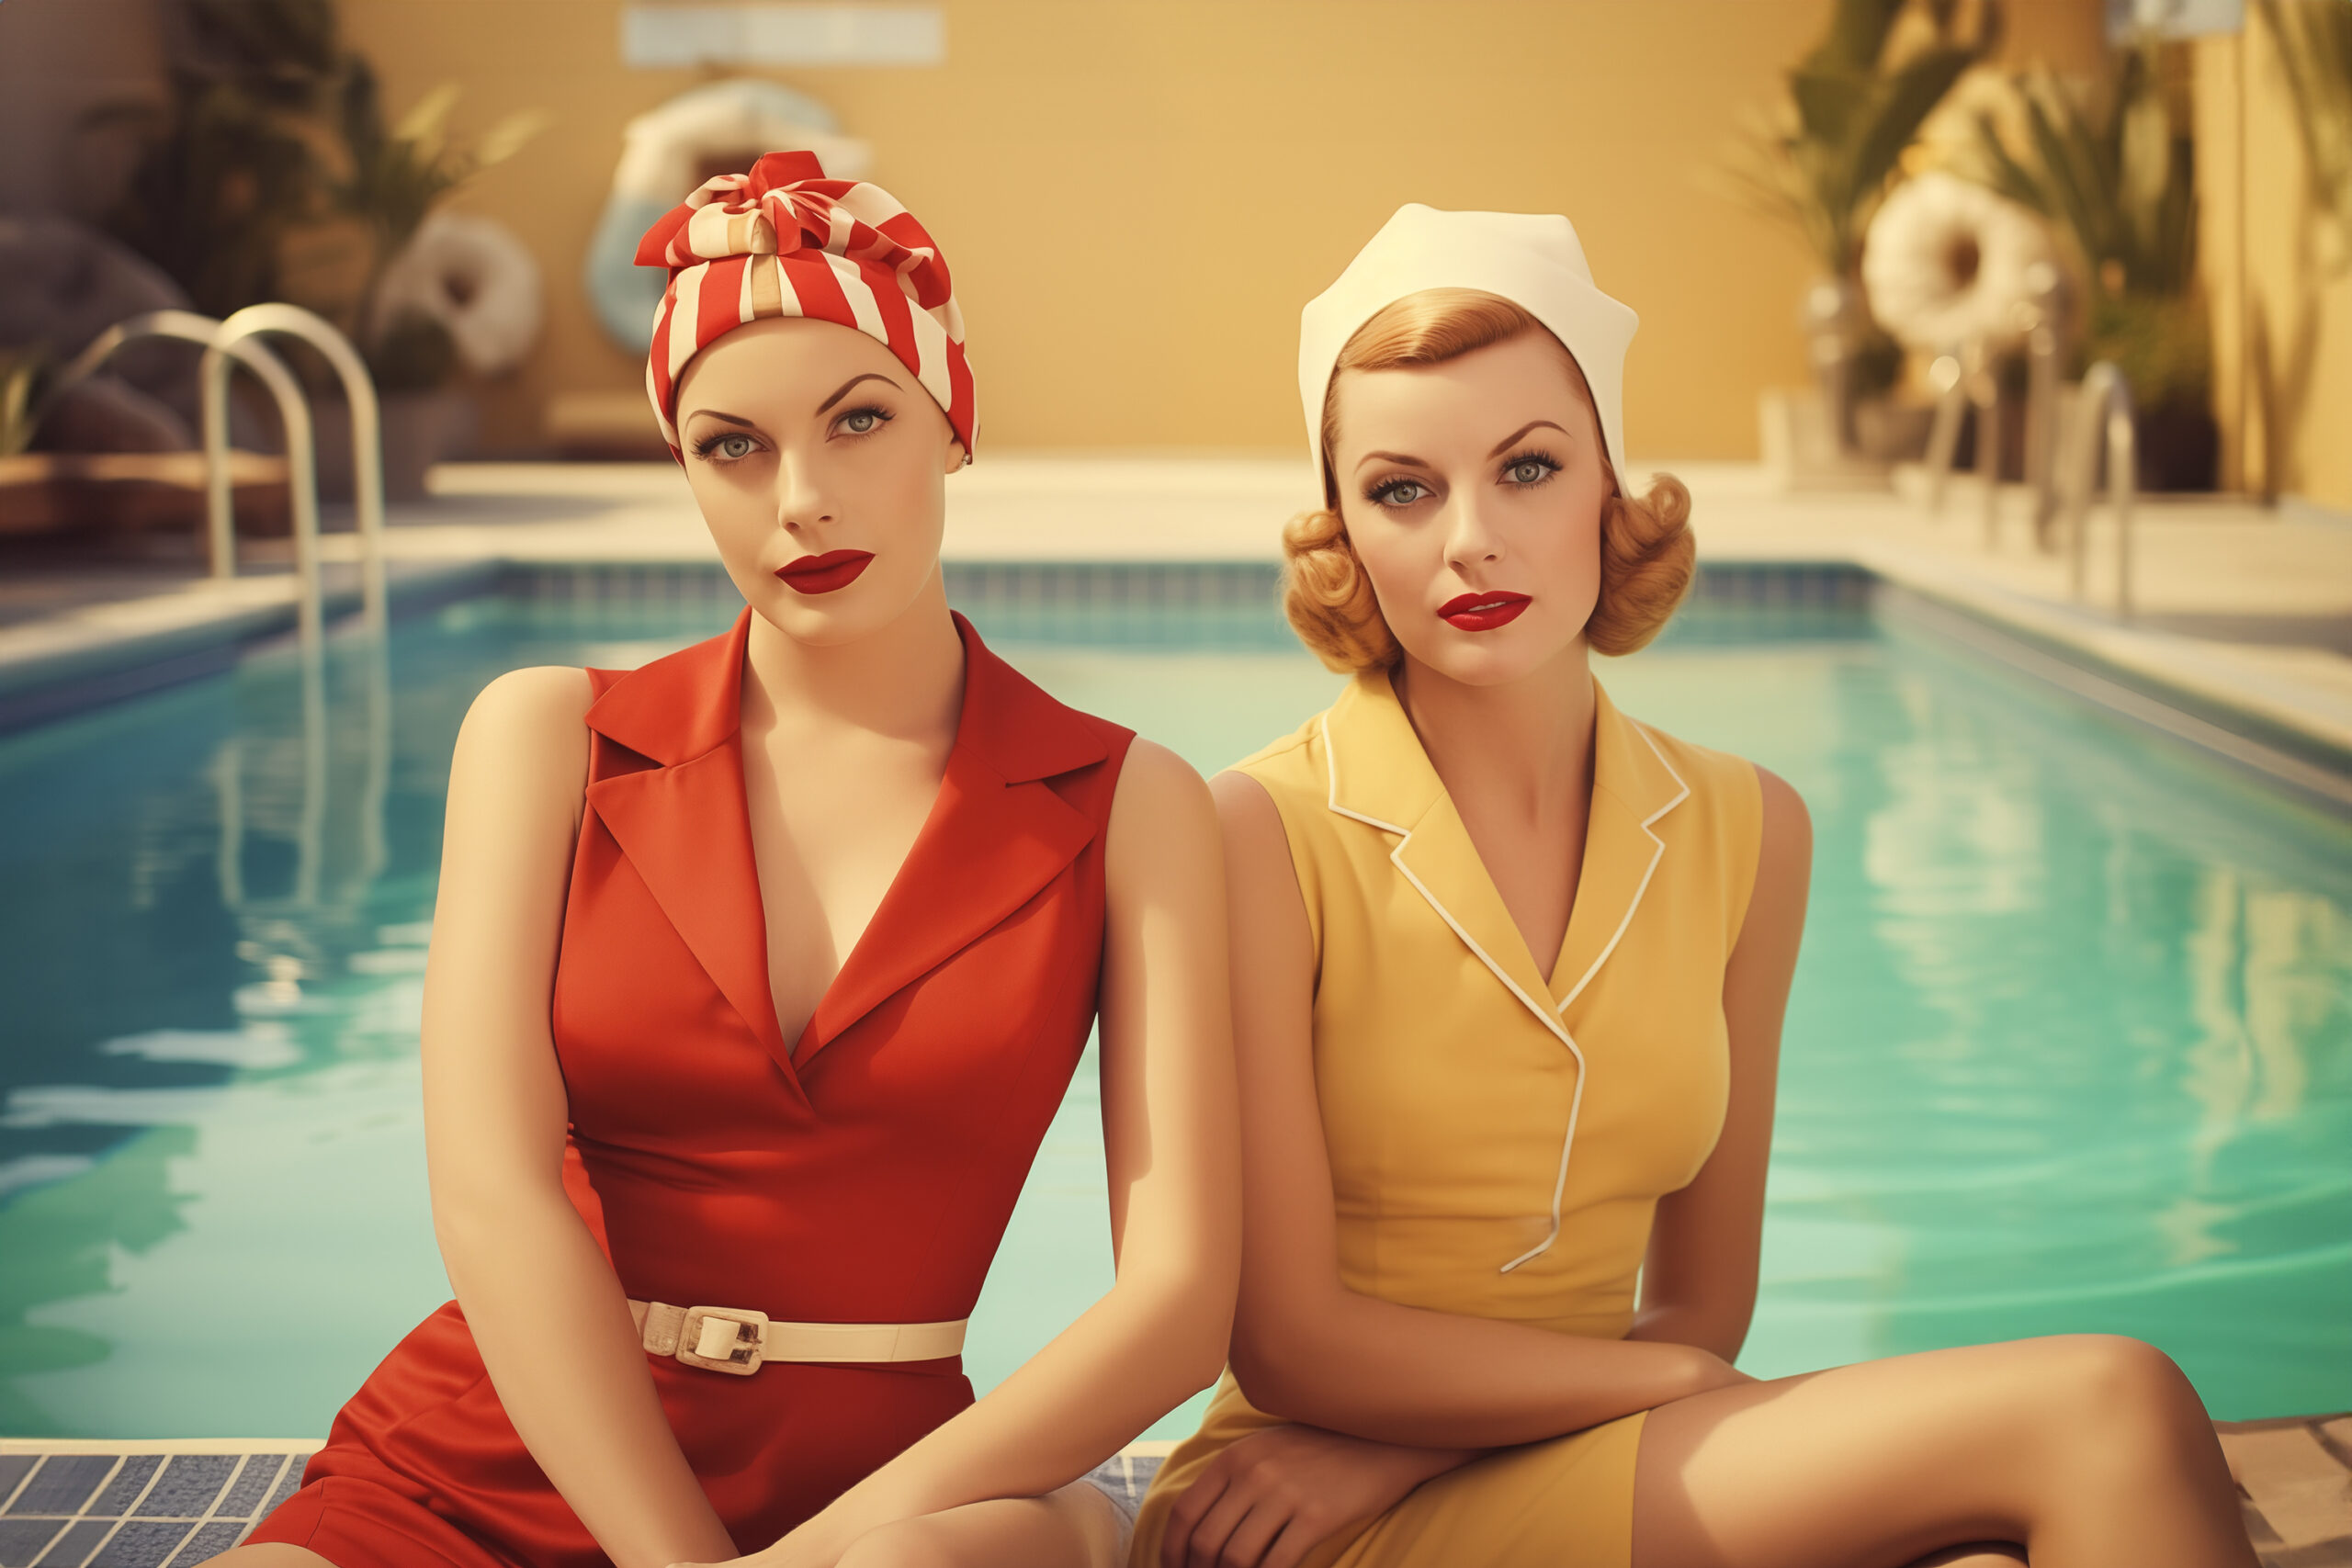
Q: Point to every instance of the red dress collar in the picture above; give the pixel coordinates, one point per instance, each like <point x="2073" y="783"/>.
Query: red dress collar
<point x="684" y="704"/>
<point x="997" y="834"/>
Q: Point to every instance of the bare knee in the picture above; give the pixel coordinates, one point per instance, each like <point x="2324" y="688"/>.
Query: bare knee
<point x="2116" y="1379"/>
<point x="2118" y="1400"/>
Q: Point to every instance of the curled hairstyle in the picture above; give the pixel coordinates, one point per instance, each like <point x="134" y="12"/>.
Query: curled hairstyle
<point x="1646" y="546"/>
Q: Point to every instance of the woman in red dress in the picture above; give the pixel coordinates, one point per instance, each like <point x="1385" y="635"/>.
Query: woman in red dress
<point x="757" y="975"/>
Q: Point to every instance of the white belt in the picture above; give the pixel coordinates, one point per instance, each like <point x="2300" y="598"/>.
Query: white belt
<point x="730" y="1339"/>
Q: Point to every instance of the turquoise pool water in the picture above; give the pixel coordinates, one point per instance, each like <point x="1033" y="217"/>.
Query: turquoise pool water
<point x="2071" y="1046"/>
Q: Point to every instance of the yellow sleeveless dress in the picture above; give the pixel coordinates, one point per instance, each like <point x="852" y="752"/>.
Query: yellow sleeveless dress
<point x="1498" y="1140"/>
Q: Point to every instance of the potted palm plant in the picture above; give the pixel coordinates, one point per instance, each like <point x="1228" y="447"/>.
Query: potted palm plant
<point x="1822" y="159"/>
<point x="271" y="172"/>
<point x="2110" y="164"/>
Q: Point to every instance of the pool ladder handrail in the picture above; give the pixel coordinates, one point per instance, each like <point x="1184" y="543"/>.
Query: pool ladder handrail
<point x="236" y="339"/>
<point x="1964" y="379"/>
<point x="1967" y="374"/>
<point x="366" y="431"/>
<point x="2101" y="407"/>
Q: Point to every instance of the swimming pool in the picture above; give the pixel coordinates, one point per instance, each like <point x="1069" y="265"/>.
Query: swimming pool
<point x="2070" y="1048"/>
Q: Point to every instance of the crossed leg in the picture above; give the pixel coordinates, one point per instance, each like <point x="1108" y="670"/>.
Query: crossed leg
<point x="1076" y="1527"/>
<point x="2087" y="1451"/>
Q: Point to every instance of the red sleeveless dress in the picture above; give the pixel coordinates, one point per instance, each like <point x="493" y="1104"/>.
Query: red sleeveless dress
<point x="864" y="1177"/>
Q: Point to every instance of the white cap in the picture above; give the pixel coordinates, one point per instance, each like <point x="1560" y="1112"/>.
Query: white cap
<point x="1530" y="259"/>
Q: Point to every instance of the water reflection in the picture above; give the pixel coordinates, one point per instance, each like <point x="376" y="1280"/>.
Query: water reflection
<point x="2070" y="1046"/>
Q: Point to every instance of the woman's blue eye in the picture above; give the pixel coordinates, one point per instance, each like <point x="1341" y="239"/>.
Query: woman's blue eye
<point x="1404" y="492"/>
<point x="862" y="422"/>
<point x="1528" y="471"/>
<point x="734" y="447"/>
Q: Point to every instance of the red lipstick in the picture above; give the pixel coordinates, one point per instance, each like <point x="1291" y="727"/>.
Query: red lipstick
<point x="828" y="573"/>
<point x="1484" y="612"/>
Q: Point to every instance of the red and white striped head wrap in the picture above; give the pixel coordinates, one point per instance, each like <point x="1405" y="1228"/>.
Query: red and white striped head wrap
<point x="785" y="240"/>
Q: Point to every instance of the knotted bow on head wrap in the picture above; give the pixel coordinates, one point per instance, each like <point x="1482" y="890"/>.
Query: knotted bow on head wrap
<point x="785" y="240"/>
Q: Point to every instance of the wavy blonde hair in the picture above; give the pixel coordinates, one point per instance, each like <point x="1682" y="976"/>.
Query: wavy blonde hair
<point x="1647" y="551"/>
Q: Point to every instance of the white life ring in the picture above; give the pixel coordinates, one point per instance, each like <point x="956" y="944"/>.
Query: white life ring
<point x="1946" y="261"/>
<point x="662" y="151"/>
<point x="477" y="279"/>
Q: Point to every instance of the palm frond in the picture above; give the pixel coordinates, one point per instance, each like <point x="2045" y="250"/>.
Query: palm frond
<point x="1823" y="166"/>
<point x="2313" y="43"/>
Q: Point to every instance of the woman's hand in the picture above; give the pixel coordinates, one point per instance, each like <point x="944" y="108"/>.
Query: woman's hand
<point x="1276" y="1495"/>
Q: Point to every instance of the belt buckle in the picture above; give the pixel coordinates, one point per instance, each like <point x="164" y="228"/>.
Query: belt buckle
<point x="739" y="1356"/>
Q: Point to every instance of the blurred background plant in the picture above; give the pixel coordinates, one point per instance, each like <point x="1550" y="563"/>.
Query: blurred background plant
<point x="2314" y="51"/>
<point x="1822" y="159"/>
<point x="2112" y="166"/>
<point x="270" y="173"/>
<point x="22" y="373"/>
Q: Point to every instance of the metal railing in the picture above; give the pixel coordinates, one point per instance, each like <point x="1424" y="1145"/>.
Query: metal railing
<point x="293" y="408"/>
<point x="367" y="428"/>
<point x="1962" y="379"/>
<point x="2102" y="407"/>
<point x="1968" y="375"/>
<point x="235" y="342"/>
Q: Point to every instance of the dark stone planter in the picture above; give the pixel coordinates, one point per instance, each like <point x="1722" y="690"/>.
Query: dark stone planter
<point x="420" y="430"/>
<point x="2179" y="447"/>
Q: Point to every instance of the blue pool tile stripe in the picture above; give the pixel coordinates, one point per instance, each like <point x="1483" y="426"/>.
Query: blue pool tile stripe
<point x="285" y="1483"/>
<point x="128" y="1483"/>
<point x="209" y="1541"/>
<point x="73" y="1548"/>
<point x="187" y="1487"/>
<point x="63" y="1483"/>
<point x="141" y="1543"/>
<point x="159" y="1510"/>
<point x="150" y="1509"/>
<point x="251" y="1486"/>
<point x="22" y="1541"/>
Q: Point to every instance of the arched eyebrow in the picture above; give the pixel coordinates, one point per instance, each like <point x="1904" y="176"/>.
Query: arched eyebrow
<point x="843" y="391"/>
<point x="1507" y="442"/>
<point x="730" y="418"/>
<point x="1504" y="445"/>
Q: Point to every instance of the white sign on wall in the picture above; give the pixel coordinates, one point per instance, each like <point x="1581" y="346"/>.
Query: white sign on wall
<point x="655" y="36"/>
<point x="2175" y="19"/>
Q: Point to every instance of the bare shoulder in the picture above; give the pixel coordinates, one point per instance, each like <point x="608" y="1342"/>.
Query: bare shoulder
<point x="524" y="737"/>
<point x="1784" y="810"/>
<point x="1785" y="854"/>
<point x="541" y="698"/>
<point x="1161" y="809"/>
<point x="1246" y="810"/>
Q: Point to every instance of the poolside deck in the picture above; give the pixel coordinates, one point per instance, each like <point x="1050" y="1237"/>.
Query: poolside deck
<point x="2241" y="637"/>
<point x="172" y="1503"/>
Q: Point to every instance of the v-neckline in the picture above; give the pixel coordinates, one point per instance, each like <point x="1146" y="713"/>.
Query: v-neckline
<point x="1550" y="974"/>
<point x="797" y="1044"/>
<point x="996" y="835"/>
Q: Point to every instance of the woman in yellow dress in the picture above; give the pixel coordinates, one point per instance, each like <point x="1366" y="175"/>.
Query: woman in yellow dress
<point x="1508" y="973"/>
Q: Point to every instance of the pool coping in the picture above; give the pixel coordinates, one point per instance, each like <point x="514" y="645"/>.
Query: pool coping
<point x="2257" y="711"/>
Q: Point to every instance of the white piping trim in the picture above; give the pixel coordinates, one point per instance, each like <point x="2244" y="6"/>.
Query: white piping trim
<point x="1331" y="771"/>
<point x="1545" y="1016"/>
<point x="1657" y="854"/>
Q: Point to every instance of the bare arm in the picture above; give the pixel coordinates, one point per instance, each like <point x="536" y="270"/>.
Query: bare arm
<point x="1167" y="1116"/>
<point x="1698" y="1280"/>
<point x="1306" y="1347"/>
<point x="545" y="1307"/>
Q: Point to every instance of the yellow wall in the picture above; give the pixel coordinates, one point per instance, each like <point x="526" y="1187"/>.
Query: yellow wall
<point x="1137" y="196"/>
<point x="2282" y="314"/>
